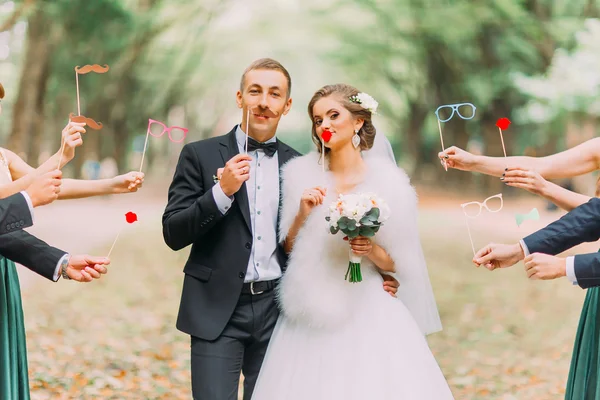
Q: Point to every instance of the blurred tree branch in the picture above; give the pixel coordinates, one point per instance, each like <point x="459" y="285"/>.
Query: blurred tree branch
<point x="16" y="15"/>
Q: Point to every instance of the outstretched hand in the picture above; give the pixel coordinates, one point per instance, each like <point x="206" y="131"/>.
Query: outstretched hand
<point x="85" y="268"/>
<point x="525" y="179"/>
<point x="544" y="266"/>
<point x="128" y="183"/>
<point x="495" y="256"/>
<point x="457" y="158"/>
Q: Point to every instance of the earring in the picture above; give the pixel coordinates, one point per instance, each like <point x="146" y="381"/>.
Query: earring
<point x="356" y="139"/>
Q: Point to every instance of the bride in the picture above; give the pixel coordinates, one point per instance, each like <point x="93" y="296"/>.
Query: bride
<point x="341" y="340"/>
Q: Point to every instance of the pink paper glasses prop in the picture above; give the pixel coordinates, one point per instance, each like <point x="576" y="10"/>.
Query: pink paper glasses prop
<point x="503" y="124"/>
<point x="86" y="69"/>
<point x="473" y="210"/>
<point x="164" y="129"/>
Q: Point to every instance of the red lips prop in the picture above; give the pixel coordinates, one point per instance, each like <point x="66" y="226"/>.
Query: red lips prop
<point x="131" y="217"/>
<point x="503" y="123"/>
<point x="326" y="136"/>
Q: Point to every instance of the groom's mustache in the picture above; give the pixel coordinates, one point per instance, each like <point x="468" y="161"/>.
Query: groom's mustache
<point x="264" y="112"/>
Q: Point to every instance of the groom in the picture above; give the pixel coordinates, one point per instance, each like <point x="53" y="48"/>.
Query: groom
<point x="228" y="304"/>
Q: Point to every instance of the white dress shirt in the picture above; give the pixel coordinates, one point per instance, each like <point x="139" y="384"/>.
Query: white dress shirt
<point x="570" y="263"/>
<point x="263" y="199"/>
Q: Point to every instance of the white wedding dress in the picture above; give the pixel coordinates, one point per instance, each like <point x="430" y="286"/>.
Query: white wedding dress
<point x="337" y="340"/>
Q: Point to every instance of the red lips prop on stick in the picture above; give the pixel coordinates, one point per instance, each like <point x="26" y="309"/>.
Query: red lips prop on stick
<point x="325" y="138"/>
<point x="503" y="124"/>
<point x="130" y="217"/>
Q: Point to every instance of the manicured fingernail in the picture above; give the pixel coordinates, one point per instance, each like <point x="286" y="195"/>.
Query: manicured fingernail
<point x="446" y="156"/>
<point x="506" y="169"/>
<point x="504" y="174"/>
<point x="502" y="178"/>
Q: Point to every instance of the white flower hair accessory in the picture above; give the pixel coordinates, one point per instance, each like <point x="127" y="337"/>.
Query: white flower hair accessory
<point x="366" y="101"/>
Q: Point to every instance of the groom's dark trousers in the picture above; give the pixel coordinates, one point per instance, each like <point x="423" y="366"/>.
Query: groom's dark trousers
<point x="580" y="225"/>
<point x="230" y="322"/>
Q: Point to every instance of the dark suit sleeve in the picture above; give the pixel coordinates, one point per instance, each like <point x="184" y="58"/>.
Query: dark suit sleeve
<point x="14" y="214"/>
<point x="33" y="253"/>
<point x="580" y="225"/>
<point x="587" y="269"/>
<point x="191" y="210"/>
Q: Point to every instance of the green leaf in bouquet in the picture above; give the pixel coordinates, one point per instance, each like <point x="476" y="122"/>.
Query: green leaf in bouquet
<point x="353" y="234"/>
<point x="365" y="219"/>
<point x="366" y="222"/>
<point x="374" y="214"/>
<point x="366" y="232"/>
<point x="351" y="225"/>
<point x="334" y="230"/>
<point x="344" y="222"/>
<point x="328" y="218"/>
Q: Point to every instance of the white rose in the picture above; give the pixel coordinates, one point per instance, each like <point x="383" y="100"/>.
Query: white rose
<point x="367" y="102"/>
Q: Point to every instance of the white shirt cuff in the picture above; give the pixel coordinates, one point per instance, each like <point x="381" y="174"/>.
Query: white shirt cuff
<point x="29" y="203"/>
<point x="570" y="267"/>
<point x="223" y="202"/>
<point x="57" y="271"/>
<point x="524" y="247"/>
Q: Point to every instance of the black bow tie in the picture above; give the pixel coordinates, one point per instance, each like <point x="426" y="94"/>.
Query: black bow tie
<point x="268" y="148"/>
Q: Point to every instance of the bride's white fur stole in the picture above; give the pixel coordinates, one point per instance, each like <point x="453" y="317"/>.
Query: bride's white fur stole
<point x="313" y="290"/>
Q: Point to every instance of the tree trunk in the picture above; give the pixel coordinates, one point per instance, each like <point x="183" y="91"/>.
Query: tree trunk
<point x="414" y="138"/>
<point x="39" y="123"/>
<point x="30" y="82"/>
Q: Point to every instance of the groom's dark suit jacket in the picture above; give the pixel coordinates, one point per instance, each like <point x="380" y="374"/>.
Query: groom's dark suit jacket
<point x="580" y="225"/>
<point x="221" y="244"/>
<point x="14" y="214"/>
<point x="20" y="246"/>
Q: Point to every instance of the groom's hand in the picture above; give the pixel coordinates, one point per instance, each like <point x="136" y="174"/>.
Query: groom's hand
<point x="544" y="266"/>
<point x="495" y="256"/>
<point x="235" y="173"/>
<point x="390" y="284"/>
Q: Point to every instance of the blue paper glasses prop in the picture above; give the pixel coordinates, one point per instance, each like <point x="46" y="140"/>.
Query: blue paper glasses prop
<point x="473" y="209"/>
<point x="445" y="113"/>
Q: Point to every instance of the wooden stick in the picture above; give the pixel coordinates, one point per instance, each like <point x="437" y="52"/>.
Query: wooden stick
<point x="442" y="140"/>
<point x="77" y="83"/>
<point x="247" y="127"/>
<point x="113" y="245"/>
<point x="144" y="152"/>
<point x="502" y="139"/>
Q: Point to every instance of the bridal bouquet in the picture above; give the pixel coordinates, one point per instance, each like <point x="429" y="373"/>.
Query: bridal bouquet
<point x="357" y="214"/>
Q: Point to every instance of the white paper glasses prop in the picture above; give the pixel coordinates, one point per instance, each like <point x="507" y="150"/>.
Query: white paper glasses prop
<point x="473" y="210"/>
<point x="444" y="113"/>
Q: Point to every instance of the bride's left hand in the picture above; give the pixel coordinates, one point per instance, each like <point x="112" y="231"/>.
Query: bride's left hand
<point x="361" y="246"/>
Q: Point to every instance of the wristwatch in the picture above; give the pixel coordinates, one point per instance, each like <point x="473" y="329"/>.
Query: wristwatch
<point x="63" y="268"/>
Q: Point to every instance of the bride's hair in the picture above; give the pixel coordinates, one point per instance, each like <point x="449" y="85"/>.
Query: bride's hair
<point x="343" y="92"/>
